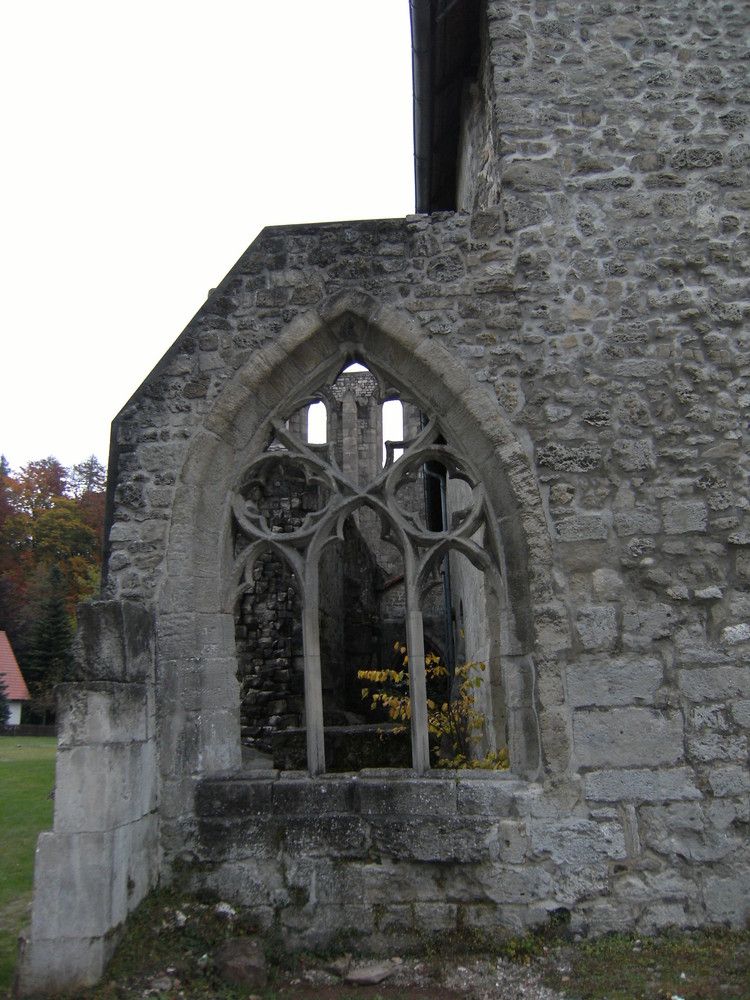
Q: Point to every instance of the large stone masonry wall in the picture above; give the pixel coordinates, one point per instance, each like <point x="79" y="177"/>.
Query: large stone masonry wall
<point x="603" y="102"/>
<point x="596" y="303"/>
<point x="382" y="861"/>
<point x="634" y="421"/>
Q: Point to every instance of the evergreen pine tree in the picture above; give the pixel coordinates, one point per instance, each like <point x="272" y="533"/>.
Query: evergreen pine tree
<point x="50" y="660"/>
<point x="4" y="706"/>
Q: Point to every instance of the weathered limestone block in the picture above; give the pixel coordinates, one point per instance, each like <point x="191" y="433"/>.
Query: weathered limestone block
<point x="327" y="836"/>
<point x="575" y="884"/>
<point x="608" y="584"/>
<point x="494" y="795"/>
<point x="727" y="899"/>
<point x="448" y="840"/>
<point x="636" y="522"/>
<point x="520" y="214"/>
<point x="114" y="641"/>
<point x="657" y="917"/>
<point x="310" y="926"/>
<point x="298" y="794"/>
<point x="727" y="814"/>
<point x="604" y="913"/>
<point x="627" y="737"/>
<point x="92" y="881"/>
<point x="577" y="842"/>
<point x="103" y="787"/>
<point x="419" y="883"/>
<point x="72" y="863"/>
<point x="597" y="627"/>
<point x="693" y="649"/>
<point x="506" y="884"/>
<point x="508" y="843"/>
<point x="136" y="865"/>
<point x="635" y="456"/>
<point x="532" y="175"/>
<point x="395" y="796"/>
<point x="684" y="517"/>
<point x="644" y="623"/>
<point x="717" y="746"/>
<point x="104" y="712"/>
<point x="60" y="960"/>
<point x="210" y="632"/>
<point x="638" y="784"/>
<point x="718" y="683"/>
<point x="229" y="797"/>
<point x="605" y="681"/>
<point x="713" y="716"/>
<point x="565" y="458"/>
<point x="552" y="628"/>
<point x="733" y="635"/>
<point x="581" y="528"/>
<point x="238" y="838"/>
<point x="644" y="886"/>
<point x="729" y="780"/>
<point x="261" y="881"/>
<point x="218" y="735"/>
<point x="681" y="830"/>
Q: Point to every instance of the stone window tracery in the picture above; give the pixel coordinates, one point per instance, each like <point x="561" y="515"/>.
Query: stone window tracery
<point x="296" y="503"/>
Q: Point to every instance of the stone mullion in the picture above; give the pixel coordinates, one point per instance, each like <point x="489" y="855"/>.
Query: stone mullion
<point x="314" y="724"/>
<point x="420" y="736"/>
<point x="316" y="754"/>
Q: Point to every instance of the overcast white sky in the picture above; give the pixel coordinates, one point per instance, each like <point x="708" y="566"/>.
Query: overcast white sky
<point x="145" y="145"/>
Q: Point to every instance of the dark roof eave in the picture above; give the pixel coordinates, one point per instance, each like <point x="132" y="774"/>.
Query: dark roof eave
<point x="421" y="60"/>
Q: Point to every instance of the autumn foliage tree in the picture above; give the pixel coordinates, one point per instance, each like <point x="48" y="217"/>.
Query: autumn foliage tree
<point x="51" y="523"/>
<point x="454" y="720"/>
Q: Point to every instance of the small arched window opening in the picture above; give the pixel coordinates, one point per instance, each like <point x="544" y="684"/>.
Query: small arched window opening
<point x="317" y="423"/>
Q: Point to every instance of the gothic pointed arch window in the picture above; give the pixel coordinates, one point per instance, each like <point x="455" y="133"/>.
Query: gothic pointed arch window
<point x="349" y="552"/>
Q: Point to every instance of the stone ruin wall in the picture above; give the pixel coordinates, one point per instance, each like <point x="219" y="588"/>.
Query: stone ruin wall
<point x="599" y="297"/>
<point x="603" y="303"/>
<point x="635" y="426"/>
<point x="596" y="300"/>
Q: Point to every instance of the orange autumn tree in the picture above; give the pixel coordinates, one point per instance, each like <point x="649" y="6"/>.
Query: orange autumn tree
<point x="51" y="523"/>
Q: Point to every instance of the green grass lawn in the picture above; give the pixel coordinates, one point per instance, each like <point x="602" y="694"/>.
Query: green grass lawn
<point x="27" y="776"/>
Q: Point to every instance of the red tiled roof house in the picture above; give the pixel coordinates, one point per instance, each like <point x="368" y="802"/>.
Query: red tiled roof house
<point x="15" y="686"/>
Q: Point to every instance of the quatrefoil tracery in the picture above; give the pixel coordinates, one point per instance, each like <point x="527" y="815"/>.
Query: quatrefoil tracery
<point x="311" y="472"/>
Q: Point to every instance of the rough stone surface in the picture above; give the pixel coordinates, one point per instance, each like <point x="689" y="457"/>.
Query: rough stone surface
<point x="242" y="962"/>
<point x="371" y="974"/>
<point x="579" y="330"/>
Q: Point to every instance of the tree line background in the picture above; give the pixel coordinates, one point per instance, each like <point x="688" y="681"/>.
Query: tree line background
<point x="51" y="524"/>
